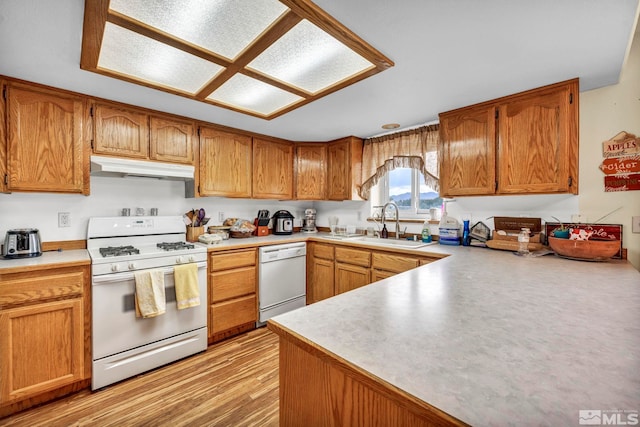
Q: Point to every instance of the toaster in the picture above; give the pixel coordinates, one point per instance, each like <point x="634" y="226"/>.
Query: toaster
<point x="22" y="243"/>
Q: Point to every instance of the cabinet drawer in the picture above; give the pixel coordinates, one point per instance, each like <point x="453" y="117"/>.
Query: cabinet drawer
<point x="322" y="251"/>
<point x="395" y="263"/>
<point x="40" y="288"/>
<point x="232" y="313"/>
<point x="353" y="256"/>
<point x="232" y="259"/>
<point x="232" y="283"/>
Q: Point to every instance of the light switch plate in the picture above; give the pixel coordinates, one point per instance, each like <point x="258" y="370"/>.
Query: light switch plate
<point x="635" y="224"/>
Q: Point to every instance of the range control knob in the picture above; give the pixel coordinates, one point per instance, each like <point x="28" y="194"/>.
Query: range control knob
<point x="179" y="260"/>
<point x="132" y="266"/>
<point x="192" y="258"/>
<point x="115" y="267"/>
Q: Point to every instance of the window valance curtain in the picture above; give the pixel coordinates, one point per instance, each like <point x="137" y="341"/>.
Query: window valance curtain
<point x="414" y="148"/>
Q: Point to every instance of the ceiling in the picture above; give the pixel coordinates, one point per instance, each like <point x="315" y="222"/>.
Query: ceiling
<point x="447" y="54"/>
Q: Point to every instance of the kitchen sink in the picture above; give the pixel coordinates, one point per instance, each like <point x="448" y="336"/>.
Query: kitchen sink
<point x="395" y="242"/>
<point x="344" y="237"/>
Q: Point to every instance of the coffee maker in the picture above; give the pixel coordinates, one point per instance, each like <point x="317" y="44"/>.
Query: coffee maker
<point x="309" y="221"/>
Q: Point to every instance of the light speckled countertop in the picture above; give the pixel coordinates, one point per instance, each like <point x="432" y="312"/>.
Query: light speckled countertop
<point x="492" y="338"/>
<point x="65" y="258"/>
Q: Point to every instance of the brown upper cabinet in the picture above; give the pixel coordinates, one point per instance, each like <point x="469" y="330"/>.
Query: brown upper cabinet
<point x="310" y="171"/>
<point x="133" y="133"/>
<point x="120" y="132"/>
<point x="44" y="146"/>
<point x="225" y="163"/>
<point x="47" y="136"/>
<point x="344" y="172"/>
<point x="171" y="140"/>
<point x="525" y="143"/>
<point x="272" y="169"/>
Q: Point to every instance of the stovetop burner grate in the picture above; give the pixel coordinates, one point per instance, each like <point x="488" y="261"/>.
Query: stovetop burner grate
<point x="175" y="246"/>
<point x="118" y="251"/>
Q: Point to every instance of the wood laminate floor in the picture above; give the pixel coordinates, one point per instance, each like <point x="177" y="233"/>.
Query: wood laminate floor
<point x="233" y="383"/>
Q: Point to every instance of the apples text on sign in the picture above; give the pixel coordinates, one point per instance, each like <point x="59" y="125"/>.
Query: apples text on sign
<point x="623" y="144"/>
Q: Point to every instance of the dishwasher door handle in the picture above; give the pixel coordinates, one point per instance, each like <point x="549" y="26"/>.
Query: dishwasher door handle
<point x="280" y="254"/>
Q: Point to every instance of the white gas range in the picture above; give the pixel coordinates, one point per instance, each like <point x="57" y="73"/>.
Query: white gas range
<point x="124" y="345"/>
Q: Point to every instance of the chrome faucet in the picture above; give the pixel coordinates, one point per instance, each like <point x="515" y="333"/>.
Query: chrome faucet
<point x="384" y="214"/>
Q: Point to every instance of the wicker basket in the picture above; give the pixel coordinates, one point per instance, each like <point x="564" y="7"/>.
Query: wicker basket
<point x="240" y="234"/>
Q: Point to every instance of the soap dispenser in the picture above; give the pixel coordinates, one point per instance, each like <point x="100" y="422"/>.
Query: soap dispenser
<point x="426" y="232"/>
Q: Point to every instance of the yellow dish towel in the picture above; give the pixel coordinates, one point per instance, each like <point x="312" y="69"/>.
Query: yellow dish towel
<point x="150" y="298"/>
<point x="186" y="279"/>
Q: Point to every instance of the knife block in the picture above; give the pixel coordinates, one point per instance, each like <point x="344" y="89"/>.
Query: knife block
<point x="262" y="230"/>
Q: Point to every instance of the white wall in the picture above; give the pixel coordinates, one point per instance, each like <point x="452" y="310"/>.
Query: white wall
<point x="110" y="195"/>
<point x="477" y="208"/>
<point x="603" y="113"/>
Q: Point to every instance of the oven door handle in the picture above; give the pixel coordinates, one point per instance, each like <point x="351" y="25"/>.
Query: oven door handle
<point x="129" y="275"/>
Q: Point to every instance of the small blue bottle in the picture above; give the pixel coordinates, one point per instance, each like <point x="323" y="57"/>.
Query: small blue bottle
<point x="466" y="238"/>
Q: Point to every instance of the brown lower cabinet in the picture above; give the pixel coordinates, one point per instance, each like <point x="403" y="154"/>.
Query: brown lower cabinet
<point x="44" y="335"/>
<point x="320" y="272"/>
<point x="318" y="388"/>
<point x="232" y="293"/>
<point x="333" y="269"/>
<point x="352" y="270"/>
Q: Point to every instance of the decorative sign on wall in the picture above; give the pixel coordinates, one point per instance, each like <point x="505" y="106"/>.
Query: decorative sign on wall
<point x="621" y="163"/>
<point x="622" y="182"/>
<point x="623" y="144"/>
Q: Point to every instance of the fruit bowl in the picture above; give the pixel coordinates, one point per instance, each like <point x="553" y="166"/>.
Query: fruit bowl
<point x="591" y="250"/>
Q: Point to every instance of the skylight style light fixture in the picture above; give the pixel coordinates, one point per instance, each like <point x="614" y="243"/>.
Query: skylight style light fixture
<point x="259" y="57"/>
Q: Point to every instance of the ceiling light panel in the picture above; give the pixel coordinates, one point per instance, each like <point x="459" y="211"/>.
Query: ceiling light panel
<point x="246" y="93"/>
<point x="309" y="59"/>
<point x="224" y="27"/>
<point x="260" y="57"/>
<point x="142" y="58"/>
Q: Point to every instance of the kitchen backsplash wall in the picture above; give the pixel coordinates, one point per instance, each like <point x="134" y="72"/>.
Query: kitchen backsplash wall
<point x="561" y="206"/>
<point x="110" y="195"/>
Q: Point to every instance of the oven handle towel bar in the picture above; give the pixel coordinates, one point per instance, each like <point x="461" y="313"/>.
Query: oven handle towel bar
<point x="124" y="276"/>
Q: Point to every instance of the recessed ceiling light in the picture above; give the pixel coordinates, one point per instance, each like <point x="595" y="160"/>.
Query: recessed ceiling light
<point x="259" y="57"/>
<point x="391" y="126"/>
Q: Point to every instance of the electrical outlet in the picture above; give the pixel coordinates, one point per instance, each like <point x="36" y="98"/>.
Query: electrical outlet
<point x="220" y="217"/>
<point x="64" y="219"/>
<point x="635" y="224"/>
<point x="578" y="219"/>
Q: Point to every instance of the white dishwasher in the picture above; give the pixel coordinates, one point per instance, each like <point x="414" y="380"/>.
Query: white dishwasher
<point x="281" y="279"/>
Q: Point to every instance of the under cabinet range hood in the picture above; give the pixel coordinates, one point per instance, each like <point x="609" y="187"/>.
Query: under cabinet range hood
<point x="114" y="166"/>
